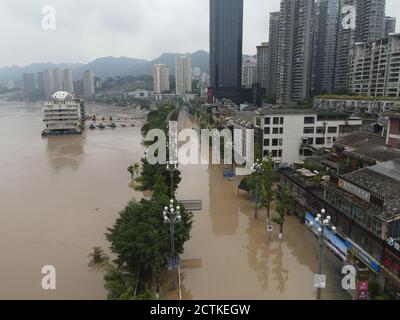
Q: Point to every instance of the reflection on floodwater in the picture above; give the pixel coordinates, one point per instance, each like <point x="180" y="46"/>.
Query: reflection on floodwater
<point x="65" y="152"/>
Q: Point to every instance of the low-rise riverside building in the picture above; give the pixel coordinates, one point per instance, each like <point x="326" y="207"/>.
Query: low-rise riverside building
<point x="393" y="136"/>
<point x="361" y="149"/>
<point x="355" y="104"/>
<point x="291" y="135"/>
<point x="365" y="208"/>
<point x="63" y="114"/>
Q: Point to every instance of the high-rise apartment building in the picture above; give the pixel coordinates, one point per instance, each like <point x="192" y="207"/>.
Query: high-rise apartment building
<point x="295" y="51"/>
<point x="88" y="84"/>
<point x="249" y="72"/>
<point x="262" y="65"/>
<point x="375" y="67"/>
<point x="273" y="46"/>
<point x="58" y="83"/>
<point x="285" y="52"/>
<point x="40" y="83"/>
<point x="48" y="83"/>
<point x="226" y="42"/>
<point x="29" y="84"/>
<point x="303" y="50"/>
<point x="346" y="39"/>
<point x="68" y="83"/>
<point x="325" y="42"/>
<point x="161" y="78"/>
<point x="183" y="74"/>
<point x="370" y="25"/>
<point x="390" y="25"/>
<point x="373" y="20"/>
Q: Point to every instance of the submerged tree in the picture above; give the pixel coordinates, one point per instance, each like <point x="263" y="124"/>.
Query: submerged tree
<point x="267" y="193"/>
<point x="141" y="240"/>
<point x="283" y="208"/>
<point x="98" y="258"/>
<point x="150" y="173"/>
<point x="134" y="169"/>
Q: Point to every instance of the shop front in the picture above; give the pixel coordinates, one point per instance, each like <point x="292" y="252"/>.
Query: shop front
<point x="367" y="268"/>
<point x="332" y="240"/>
<point x="391" y="265"/>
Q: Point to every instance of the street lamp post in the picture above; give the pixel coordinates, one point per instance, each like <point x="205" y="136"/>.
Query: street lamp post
<point x="257" y="169"/>
<point x="229" y="146"/>
<point x="172" y="215"/>
<point x="171" y="167"/>
<point x="324" y="222"/>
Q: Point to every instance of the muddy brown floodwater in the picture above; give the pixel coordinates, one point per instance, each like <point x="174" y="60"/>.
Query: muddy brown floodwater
<point x="57" y="197"/>
<point x="230" y="255"/>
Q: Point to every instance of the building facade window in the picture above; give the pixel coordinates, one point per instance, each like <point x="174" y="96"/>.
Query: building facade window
<point x="321" y="130"/>
<point x="309" y="120"/>
<point x="309" y="130"/>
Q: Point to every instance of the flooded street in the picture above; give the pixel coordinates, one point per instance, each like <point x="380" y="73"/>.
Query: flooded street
<point x="230" y="255"/>
<point x="59" y="195"/>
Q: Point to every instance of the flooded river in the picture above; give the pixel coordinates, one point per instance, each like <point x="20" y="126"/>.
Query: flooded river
<point x="58" y="195"/>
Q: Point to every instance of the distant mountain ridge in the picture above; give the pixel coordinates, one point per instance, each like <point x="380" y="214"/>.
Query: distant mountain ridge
<point x="107" y="66"/>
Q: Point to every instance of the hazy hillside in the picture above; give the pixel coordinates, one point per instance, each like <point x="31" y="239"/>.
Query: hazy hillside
<point x="111" y="66"/>
<point x="16" y="72"/>
<point x="106" y="66"/>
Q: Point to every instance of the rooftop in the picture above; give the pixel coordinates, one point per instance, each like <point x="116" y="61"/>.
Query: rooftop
<point x="272" y="111"/>
<point x="382" y="179"/>
<point x="356" y="98"/>
<point x="301" y="177"/>
<point x="367" y="145"/>
<point x="62" y="96"/>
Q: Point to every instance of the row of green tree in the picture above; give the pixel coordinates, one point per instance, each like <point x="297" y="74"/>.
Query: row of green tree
<point x="269" y="193"/>
<point x="139" y="239"/>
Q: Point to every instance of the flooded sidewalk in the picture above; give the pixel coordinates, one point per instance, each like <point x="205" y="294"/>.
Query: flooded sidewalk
<point x="230" y="255"/>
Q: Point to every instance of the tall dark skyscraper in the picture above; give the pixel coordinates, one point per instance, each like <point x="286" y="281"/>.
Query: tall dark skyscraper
<point x="226" y="45"/>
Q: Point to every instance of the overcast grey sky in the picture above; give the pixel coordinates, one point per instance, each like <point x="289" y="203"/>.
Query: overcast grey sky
<point x="88" y="29"/>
